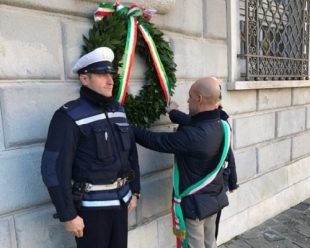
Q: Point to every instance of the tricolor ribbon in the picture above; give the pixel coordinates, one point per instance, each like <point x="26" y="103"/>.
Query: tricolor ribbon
<point x="104" y="9"/>
<point x="127" y="59"/>
<point x="178" y="222"/>
<point x="131" y="40"/>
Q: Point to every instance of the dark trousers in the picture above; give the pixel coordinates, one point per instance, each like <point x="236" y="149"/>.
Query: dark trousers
<point x="104" y="228"/>
<point x="217" y="223"/>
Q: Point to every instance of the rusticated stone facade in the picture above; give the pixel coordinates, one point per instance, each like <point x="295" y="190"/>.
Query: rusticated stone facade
<point x="39" y="43"/>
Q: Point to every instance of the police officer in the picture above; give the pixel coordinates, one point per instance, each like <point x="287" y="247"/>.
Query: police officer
<point x="90" y="162"/>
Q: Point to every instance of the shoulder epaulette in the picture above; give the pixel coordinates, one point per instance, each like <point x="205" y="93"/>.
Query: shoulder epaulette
<point x="69" y="105"/>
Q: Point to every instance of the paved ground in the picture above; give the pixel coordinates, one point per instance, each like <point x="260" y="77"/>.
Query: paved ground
<point x="290" y="229"/>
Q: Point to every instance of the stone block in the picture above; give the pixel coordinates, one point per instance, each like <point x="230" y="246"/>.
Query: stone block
<point x="210" y="56"/>
<point x="2" y="147"/>
<point x="237" y="102"/>
<point x="214" y="19"/>
<point x="249" y="195"/>
<point x="308" y="118"/>
<point x="180" y="96"/>
<point x="36" y="228"/>
<point x="132" y="218"/>
<point x="162" y="6"/>
<point x="232" y="208"/>
<point x="157" y="196"/>
<point x="23" y="184"/>
<point x="255" y="216"/>
<point x="233" y="226"/>
<point x="301" y="96"/>
<point x="7" y="237"/>
<point x="274" y="98"/>
<point x="269" y="208"/>
<point x="166" y="237"/>
<point x="308" y="188"/>
<point x="151" y="161"/>
<point x="73" y="31"/>
<point x="291" y="121"/>
<point x="214" y="63"/>
<point x="82" y="8"/>
<point x="28" y="49"/>
<point x="298" y="171"/>
<point x="273" y="182"/>
<point x="189" y="24"/>
<point x="259" y="189"/>
<point x="255" y="129"/>
<point x="87" y="7"/>
<point x="28" y="121"/>
<point x="300" y="145"/>
<point x="281" y="200"/>
<point x="273" y="155"/>
<point x="155" y="233"/>
<point x="298" y="192"/>
<point x="246" y="164"/>
<point x="144" y="236"/>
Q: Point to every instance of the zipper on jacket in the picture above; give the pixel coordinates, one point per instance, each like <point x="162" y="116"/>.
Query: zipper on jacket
<point x="115" y="142"/>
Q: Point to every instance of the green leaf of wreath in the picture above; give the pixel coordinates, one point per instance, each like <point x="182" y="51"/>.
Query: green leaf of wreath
<point x="111" y="31"/>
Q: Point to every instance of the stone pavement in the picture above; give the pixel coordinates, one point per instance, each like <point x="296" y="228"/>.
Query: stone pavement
<point x="290" y="229"/>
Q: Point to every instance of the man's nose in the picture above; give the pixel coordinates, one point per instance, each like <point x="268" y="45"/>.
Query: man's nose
<point x="110" y="79"/>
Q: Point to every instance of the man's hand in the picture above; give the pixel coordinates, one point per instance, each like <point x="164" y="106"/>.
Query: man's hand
<point x="173" y="105"/>
<point x="132" y="204"/>
<point x="75" y="226"/>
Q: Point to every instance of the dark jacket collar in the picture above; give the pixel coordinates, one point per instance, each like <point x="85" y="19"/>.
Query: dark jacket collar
<point x="224" y="115"/>
<point x="206" y="115"/>
<point x="106" y="103"/>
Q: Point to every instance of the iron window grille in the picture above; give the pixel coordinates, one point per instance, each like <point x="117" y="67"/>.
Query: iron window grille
<point x="275" y="39"/>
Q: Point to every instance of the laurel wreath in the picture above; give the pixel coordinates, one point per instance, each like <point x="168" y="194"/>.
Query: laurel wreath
<point x="144" y="109"/>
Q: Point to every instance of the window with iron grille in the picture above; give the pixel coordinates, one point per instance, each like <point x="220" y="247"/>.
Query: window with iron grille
<point x="275" y="39"/>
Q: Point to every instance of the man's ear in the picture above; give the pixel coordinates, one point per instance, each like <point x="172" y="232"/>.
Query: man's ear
<point x="84" y="79"/>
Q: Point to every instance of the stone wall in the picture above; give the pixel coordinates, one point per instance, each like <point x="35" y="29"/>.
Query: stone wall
<point x="39" y="43"/>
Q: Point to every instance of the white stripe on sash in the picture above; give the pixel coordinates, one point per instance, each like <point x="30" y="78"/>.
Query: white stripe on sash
<point x="99" y="117"/>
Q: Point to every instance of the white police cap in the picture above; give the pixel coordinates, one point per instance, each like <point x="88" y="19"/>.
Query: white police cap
<point x="98" y="61"/>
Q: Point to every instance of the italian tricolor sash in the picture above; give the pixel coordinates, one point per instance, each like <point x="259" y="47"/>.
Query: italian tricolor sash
<point x="179" y="228"/>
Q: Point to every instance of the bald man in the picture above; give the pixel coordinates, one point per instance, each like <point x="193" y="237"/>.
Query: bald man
<point x="198" y="149"/>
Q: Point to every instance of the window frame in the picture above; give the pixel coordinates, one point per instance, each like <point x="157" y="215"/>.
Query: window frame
<point x="235" y="82"/>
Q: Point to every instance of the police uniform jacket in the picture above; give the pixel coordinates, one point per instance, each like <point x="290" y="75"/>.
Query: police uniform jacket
<point x="198" y="148"/>
<point x="89" y="140"/>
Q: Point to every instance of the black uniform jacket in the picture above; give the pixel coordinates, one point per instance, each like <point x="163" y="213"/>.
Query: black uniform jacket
<point x="198" y="148"/>
<point x="91" y="144"/>
<point x="229" y="173"/>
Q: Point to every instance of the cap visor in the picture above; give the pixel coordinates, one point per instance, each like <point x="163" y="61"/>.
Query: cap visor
<point x="102" y="70"/>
